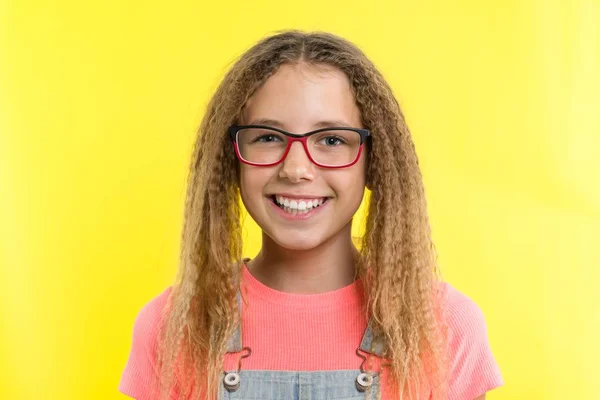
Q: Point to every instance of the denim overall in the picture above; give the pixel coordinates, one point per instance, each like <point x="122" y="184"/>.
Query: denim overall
<point x="355" y="384"/>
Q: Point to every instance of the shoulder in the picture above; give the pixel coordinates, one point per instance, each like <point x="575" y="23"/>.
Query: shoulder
<point x="463" y="316"/>
<point x="139" y="377"/>
<point x="473" y="368"/>
<point x="150" y="316"/>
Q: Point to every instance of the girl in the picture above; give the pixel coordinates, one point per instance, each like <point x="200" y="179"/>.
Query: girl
<point x="299" y="127"/>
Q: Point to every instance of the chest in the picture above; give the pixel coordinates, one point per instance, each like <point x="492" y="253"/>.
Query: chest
<point x="303" y="385"/>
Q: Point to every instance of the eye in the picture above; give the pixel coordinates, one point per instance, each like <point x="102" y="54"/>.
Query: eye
<point x="332" y="140"/>
<point x="266" y="138"/>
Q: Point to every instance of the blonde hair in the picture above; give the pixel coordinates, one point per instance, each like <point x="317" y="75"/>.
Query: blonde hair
<point x="398" y="261"/>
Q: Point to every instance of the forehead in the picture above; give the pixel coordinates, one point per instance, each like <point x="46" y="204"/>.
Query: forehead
<point x="302" y="96"/>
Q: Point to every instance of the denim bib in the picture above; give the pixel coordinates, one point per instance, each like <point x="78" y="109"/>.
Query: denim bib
<point x="354" y="384"/>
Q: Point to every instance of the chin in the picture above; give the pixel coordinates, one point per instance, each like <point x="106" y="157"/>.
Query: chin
<point x="297" y="243"/>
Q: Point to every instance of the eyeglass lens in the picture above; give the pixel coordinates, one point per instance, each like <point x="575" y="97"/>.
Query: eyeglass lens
<point x="331" y="147"/>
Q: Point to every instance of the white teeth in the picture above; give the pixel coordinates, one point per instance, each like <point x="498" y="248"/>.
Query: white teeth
<point x="294" y="206"/>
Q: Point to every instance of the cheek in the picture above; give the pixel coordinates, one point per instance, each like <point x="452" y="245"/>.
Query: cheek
<point x="247" y="184"/>
<point x="358" y="182"/>
<point x="349" y="187"/>
<point x="252" y="183"/>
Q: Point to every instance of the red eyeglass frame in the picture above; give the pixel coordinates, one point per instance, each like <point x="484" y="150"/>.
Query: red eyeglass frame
<point x="302" y="138"/>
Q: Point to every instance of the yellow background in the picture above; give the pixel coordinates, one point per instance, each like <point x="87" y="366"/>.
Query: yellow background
<point x="99" y="104"/>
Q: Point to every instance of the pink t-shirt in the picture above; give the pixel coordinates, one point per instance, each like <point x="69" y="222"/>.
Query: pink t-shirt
<point x="318" y="332"/>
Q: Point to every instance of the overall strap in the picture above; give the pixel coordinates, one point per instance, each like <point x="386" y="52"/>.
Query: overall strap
<point x="371" y="343"/>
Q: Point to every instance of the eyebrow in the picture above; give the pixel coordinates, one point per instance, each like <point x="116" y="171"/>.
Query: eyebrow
<point x="321" y="124"/>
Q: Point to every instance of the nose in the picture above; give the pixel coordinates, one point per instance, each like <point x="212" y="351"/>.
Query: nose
<point x="296" y="165"/>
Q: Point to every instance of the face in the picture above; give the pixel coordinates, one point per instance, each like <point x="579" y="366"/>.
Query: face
<point x="301" y="98"/>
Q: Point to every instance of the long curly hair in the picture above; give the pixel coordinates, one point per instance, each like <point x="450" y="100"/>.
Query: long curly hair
<point x="397" y="264"/>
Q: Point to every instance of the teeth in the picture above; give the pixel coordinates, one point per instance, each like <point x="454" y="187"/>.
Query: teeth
<point x="298" y="206"/>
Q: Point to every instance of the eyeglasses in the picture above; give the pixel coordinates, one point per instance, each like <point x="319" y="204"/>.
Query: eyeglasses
<point x="266" y="146"/>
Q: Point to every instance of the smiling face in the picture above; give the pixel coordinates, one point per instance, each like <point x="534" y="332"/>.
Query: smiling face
<point x="316" y="204"/>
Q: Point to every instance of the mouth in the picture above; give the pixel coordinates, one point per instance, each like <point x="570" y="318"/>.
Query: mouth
<point x="298" y="206"/>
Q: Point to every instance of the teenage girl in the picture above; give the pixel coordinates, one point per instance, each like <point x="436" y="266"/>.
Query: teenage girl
<point x="299" y="127"/>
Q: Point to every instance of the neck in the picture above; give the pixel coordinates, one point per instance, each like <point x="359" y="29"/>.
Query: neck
<point x="329" y="266"/>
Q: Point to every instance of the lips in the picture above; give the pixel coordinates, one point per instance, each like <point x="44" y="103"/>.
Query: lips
<point x="299" y="204"/>
<point x="301" y="211"/>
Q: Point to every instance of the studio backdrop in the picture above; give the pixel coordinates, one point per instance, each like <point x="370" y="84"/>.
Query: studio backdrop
<point x="99" y="104"/>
